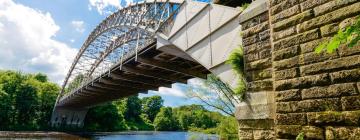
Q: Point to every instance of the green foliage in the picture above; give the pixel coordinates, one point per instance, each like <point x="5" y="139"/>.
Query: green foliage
<point x="75" y="83"/>
<point x="237" y="64"/>
<point x="228" y="128"/>
<point x="300" y="136"/>
<point x="245" y="5"/>
<point x="165" y="120"/>
<point x="104" y="118"/>
<point x="196" y="116"/>
<point x="131" y="108"/>
<point x="151" y="106"/>
<point x="350" y="36"/>
<point x="26" y="101"/>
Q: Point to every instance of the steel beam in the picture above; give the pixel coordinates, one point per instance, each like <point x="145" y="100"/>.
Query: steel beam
<point x="170" y="67"/>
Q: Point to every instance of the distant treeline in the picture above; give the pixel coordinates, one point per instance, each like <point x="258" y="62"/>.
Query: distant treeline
<point x="27" y="100"/>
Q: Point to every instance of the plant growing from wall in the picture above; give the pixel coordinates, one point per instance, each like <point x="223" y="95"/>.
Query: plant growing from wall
<point x="300" y="136"/>
<point x="350" y="36"/>
<point x="236" y="62"/>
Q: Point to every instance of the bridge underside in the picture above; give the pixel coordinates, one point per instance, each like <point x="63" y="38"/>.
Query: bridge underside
<point x="149" y="71"/>
<point x="145" y="56"/>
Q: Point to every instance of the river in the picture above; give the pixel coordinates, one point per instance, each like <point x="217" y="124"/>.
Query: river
<point x="137" y="135"/>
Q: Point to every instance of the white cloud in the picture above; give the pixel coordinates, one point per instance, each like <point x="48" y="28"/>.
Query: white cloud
<point x="72" y="40"/>
<point x="78" y="25"/>
<point x="27" y="44"/>
<point x="172" y="92"/>
<point x="107" y="6"/>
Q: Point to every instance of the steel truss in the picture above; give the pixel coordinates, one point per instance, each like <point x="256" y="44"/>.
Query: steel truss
<point x="118" y="37"/>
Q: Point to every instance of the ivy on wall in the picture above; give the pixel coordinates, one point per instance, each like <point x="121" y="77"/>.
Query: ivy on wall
<point x="236" y="62"/>
<point x="350" y="36"/>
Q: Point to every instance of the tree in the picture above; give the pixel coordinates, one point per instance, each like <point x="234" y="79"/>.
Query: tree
<point x="104" y="118"/>
<point x="151" y="106"/>
<point x="131" y="108"/>
<point x="165" y="121"/>
<point x="215" y="94"/>
<point x="26" y="100"/>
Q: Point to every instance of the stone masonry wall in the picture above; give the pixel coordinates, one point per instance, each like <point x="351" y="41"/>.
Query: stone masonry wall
<point x="253" y="124"/>
<point x="317" y="94"/>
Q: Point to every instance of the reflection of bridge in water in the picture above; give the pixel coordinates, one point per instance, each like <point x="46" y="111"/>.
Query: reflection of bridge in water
<point x="144" y="46"/>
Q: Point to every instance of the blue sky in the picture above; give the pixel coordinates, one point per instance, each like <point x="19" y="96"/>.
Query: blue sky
<point x="45" y="35"/>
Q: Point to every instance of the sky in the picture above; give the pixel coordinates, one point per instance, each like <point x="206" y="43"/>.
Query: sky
<point x="45" y="35"/>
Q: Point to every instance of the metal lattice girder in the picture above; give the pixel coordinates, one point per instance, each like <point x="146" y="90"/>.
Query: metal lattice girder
<point x="120" y="35"/>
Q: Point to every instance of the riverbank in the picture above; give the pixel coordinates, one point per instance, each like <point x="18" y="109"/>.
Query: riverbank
<point x="133" y="135"/>
<point x="39" y="134"/>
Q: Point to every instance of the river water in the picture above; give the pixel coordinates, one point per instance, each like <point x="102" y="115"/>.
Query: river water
<point x="159" y="136"/>
<point x="142" y="135"/>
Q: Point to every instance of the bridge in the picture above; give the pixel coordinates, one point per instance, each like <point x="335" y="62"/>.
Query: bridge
<point x="147" y="45"/>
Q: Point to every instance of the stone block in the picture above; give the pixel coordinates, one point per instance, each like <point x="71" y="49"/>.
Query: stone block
<point x="312" y="132"/>
<point x="255" y="29"/>
<point x="251" y="57"/>
<point x="262" y="124"/>
<point x="340" y="63"/>
<point x="342" y="133"/>
<point x="347" y="22"/>
<point x="345" y="76"/>
<point x="291" y="21"/>
<point x="310" y="46"/>
<point x="330" y="91"/>
<point x="285" y="4"/>
<point x="286" y="63"/>
<point x="297" y="39"/>
<point x="258" y="74"/>
<point x="265" y="53"/>
<point x="264" y="35"/>
<point x="275" y="2"/>
<point x="333" y="16"/>
<point x="344" y="50"/>
<point x="257" y="46"/>
<point x="313" y="57"/>
<point x="261" y="85"/>
<point x="329" y="30"/>
<point x="284" y="33"/>
<point x="245" y="134"/>
<point x="264" y="134"/>
<point x="287" y="107"/>
<point x="260" y="64"/>
<point x="316" y="105"/>
<point x="291" y="119"/>
<point x="286" y="74"/>
<point x="350" y="103"/>
<point x="257" y="105"/>
<point x="288" y="95"/>
<point x="287" y="131"/>
<point x="286" y="13"/>
<point x="331" y="6"/>
<point x="346" y="118"/>
<point x="302" y="82"/>
<point x="311" y="3"/>
<point x="250" y="40"/>
<point x="250" y="23"/>
<point x="286" y="53"/>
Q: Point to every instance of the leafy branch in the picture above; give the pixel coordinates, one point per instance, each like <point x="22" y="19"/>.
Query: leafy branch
<point x="237" y="64"/>
<point x="350" y="37"/>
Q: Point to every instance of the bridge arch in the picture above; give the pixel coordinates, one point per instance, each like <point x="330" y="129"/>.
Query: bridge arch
<point x="154" y="40"/>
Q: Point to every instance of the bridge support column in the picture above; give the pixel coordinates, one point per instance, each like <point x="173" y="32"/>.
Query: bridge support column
<point x="64" y="117"/>
<point x="256" y="114"/>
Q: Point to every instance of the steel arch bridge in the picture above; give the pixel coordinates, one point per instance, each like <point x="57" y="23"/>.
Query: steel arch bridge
<point x="144" y="46"/>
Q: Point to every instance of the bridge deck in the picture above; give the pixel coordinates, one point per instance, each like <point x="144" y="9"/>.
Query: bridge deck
<point x="151" y="70"/>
